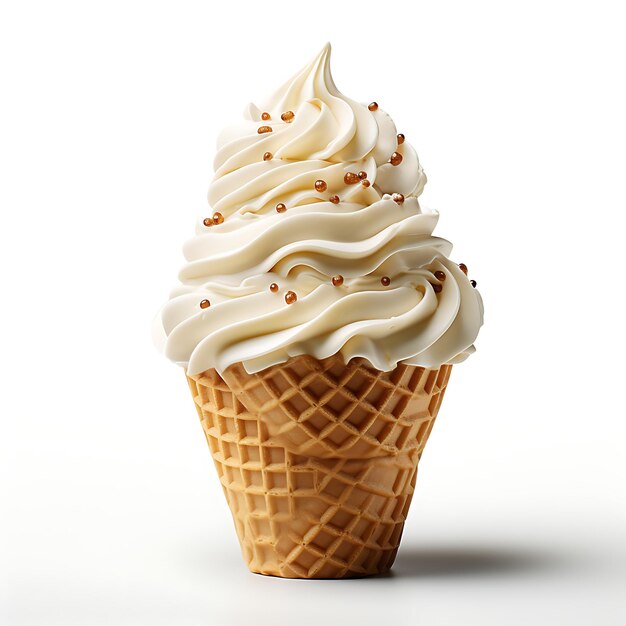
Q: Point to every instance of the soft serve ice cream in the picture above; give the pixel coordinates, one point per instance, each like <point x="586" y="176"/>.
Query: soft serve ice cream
<point x="317" y="244"/>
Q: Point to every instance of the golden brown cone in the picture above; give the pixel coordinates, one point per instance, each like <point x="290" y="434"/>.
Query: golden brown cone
<point x="318" y="459"/>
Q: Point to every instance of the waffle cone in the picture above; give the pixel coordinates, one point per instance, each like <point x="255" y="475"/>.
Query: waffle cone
<point x="318" y="459"/>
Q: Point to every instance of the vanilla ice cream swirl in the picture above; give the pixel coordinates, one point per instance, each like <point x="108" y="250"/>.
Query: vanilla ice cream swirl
<point x="317" y="244"/>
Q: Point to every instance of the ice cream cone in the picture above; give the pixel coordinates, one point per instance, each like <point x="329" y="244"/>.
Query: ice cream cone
<point x="318" y="459"/>
<point x="317" y="269"/>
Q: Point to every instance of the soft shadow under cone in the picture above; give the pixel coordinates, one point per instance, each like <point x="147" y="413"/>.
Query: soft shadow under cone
<point x="318" y="459"/>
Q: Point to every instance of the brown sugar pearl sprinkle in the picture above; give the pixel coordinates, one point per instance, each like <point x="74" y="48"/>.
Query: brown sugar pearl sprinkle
<point x="320" y="185"/>
<point x="205" y="304"/>
<point x="398" y="198"/>
<point x="273" y="287"/>
<point x="351" y="178"/>
<point x="436" y="288"/>
<point x="463" y="268"/>
<point x="290" y="297"/>
<point x="334" y="199"/>
<point x="365" y="183"/>
<point x="372" y="106"/>
<point x="207" y="221"/>
<point x="337" y="280"/>
<point x="400" y="139"/>
<point x="473" y="283"/>
<point x="396" y="158"/>
<point x="439" y="275"/>
<point x="267" y="156"/>
<point x="287" y="116"/>
<point x="385" y="281"/>
<point x="362" y="175"/>
<point x="264" y="129"/>
<point x="280" y="208"/>
<point x="218" y="218"/>
<point x="266" y="116"/>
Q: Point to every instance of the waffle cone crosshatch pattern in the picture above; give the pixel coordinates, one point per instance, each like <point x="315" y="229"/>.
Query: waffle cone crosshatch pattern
<point x="318" y="459"/>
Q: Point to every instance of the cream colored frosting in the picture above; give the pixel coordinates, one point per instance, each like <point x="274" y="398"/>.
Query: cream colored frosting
<point x="366" y="236"/>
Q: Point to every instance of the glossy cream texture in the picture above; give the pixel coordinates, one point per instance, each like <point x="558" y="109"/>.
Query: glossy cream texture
<point x="365" y="237"/>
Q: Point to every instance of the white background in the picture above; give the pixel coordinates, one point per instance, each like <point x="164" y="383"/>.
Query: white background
<point x="111" y="510"/>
